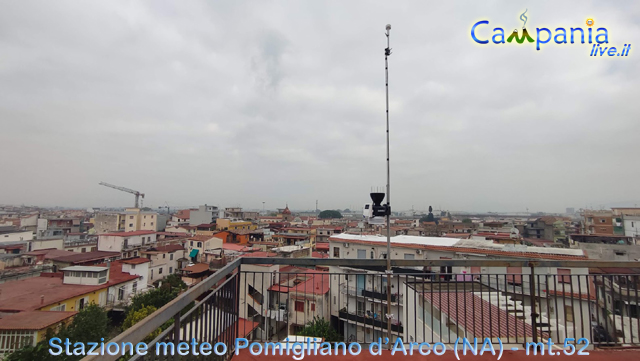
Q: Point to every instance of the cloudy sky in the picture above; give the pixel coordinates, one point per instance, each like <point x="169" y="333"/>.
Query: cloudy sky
<point x="240" y="102"/>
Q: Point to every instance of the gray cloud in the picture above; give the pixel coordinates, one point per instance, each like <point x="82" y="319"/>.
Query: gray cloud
<point x="235" y="103"/>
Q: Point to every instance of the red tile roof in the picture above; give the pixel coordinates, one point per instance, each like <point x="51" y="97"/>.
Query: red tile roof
<point x="127" y="234"/>
<point x="49" y="253"/>
<point x="315" y="282"/>
<point x="322" y="246"/>
<point x="197" y="268"/>
<point x="183" y="214"/>
<point x="477" y="316"/>
<point x="76" y="257"/>
<point x="245" y="327"/>
<point x="319" y="255"/>
<point x="25" y="295"/>
<point x="138" y="260"/>
<point x="33" y="320"/>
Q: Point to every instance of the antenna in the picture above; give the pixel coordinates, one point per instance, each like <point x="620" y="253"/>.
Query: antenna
<point x="387" y="53"/>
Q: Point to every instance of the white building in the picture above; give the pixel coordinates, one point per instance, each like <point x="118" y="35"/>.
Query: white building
<point x="164" y="260"/>
<point x="631" y="226"/>
<point x="16" y="236"/>
<point x="360" y="300"/>
<point x="128" y="243"/>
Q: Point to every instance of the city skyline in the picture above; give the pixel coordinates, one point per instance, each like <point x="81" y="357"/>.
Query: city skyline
<point x="249" y="102"/>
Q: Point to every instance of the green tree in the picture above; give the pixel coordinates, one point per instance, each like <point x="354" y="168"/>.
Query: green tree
<point x="329" y="214"/>
<point x="135" y="316"/>
<point x="467" y="220"/>
<point x="157" y="298"/>
<point x="319" y="327"/>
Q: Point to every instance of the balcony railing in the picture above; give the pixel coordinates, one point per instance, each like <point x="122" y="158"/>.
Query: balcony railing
<point x="527" y="307"/>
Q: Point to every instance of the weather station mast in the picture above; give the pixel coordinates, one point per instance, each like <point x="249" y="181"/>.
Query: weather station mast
<point x="377" y="213"/>
<point x="389" y="272"/>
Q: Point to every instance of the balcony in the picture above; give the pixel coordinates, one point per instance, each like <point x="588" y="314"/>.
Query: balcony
<point x="368" y="319"/>
<point x="541" y="306"/>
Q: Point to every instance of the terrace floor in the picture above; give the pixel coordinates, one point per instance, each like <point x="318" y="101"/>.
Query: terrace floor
<point x="594" y="355"/>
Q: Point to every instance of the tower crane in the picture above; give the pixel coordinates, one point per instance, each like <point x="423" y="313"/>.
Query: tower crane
<point x="136" y="193"/>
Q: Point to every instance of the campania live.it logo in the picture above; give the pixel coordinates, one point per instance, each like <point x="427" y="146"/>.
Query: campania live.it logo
<point x="600" y="39"/>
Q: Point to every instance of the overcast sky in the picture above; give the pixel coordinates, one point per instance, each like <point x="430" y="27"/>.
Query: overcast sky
<point x="240" y="102"/>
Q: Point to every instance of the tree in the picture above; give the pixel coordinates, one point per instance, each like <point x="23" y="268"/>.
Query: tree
<point x="136" y="316"/>
<point x="157" y="298"/>
<point x="173" y="282"/>
<point x="429" y="217"/>
<point x="467" y="220"/>
<point x="329" y="214"/>
<point x="319" y="327"/>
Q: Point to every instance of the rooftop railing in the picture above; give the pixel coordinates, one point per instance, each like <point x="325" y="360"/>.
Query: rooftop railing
<point x="533" y="305"/>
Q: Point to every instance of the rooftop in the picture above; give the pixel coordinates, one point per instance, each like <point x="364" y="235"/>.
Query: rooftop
<point x="76" y="257"/>
<point x="85" y="269"/>
<point x="197" y="268"/>
<point x="127" y="234"/>
<point x="33" y="320"/>
<point x="467" y="246"/>
<point x="25" y="294"/>
<point x="137" y="260"/>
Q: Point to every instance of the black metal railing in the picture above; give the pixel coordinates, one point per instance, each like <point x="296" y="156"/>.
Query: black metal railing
<point x="543" y="300"/>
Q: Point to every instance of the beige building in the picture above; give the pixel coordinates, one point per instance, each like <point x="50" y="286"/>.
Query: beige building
<point x="137" y="220"/>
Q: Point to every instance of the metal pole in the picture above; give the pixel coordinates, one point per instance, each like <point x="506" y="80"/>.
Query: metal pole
<point x="389" y="315"/>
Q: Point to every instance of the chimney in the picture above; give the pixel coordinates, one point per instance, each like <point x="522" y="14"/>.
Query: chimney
<point x="41" y="300"/>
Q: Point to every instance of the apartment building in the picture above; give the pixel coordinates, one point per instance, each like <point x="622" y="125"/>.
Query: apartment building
<point x="282" y="300"/>
<point x="196" y="246"/>
<point x="599" y="222"/>
<point x="203" y="215"/>
<point x="129" y="244"/>
<point x="164" y="260"/>
<point x="359" y="303"/>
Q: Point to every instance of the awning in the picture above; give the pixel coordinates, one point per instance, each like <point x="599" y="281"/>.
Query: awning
<point x="194" y="252"/>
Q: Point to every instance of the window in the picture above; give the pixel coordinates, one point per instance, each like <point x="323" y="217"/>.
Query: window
<point x="145" y="217"/>
<point x="336" y="252"/>
<point x="133" y="266"/>
<point x="199" y="244"/>
<point x="134" y="287"/>
<point x="160" y="270"/>
<point x="151" y="274"/>
<point x="61" y="307"/>
<point x="568" y="313"/>
<point x="191" y="243"/>
<point x="164" y="255"/>
<point x="120" y="293"/>
<point x="409" y="256"/>
<point x="362" y="253"/>
<point x="130" y="224"/>
<point x="144" y="225"/>
<point x="170" y="270"/>
<point x="83" y="250"/>
<point x="564" y="275"/>
<point x="171" y="257"/>
<point x="299" y="306"/>
<point x="152" y="223"/>
<point x="601" y="220"/>
<point x="130" y="217"/>
<point x="313" y="307"/>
